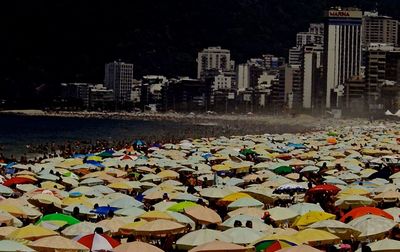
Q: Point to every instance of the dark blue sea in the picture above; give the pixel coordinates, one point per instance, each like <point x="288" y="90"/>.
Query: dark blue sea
<point x="16" y="132"/>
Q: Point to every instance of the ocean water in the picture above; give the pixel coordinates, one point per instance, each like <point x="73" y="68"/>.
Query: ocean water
<point x="16" y="132"/>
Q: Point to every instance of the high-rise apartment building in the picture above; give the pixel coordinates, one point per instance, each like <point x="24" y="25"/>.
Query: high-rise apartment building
<point x="379" y="29"/>
<point x="342" y="47"/>
<point x="311" y="75"/>
<point x="213" y="58"/>
<point x="119" y="77"/>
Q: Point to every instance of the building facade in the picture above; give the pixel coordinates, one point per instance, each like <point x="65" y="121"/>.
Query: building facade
<point x="119" y="78"/>
<point x="379" y="29"/>
<point x="342" y="50"/>
<point x="214" y="58"/>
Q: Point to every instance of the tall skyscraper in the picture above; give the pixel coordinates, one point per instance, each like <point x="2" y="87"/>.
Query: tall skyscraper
<point x="342" y="47"/>
<point x="119" y="77"/>
<point x="213" y="58"/>
<point x="379" y="29"/>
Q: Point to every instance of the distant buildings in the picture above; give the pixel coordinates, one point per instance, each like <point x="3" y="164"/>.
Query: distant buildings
<point x="379" y="29"/>
<point x="214" y="58"/>
<point x="119" y="77"/>
<point x="350" y="62"/>
<point x="342" y="51"/>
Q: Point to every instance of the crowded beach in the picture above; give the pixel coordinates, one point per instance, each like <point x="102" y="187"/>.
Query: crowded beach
<point x="331" y="189"/>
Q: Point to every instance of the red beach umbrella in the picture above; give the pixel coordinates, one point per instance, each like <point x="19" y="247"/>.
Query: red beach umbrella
<point x="96" y="242"/>
<point x="361" y="211"/>
<point x="18" y="180"/>
<point x="326" y="188"/>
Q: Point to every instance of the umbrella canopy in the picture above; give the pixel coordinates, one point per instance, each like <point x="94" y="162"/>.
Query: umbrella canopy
<point x="31" y="232"/>
<point x="181" y="206"/>
<point x="361" y="211"/>
<point x="7" y="245"/>
<point x="385" y="245"/>
<point x="200" y="237"/>
<point x="245" y="202"/>
<point x="218" y="246"/>
<point x="57" y="243"/>
<point x="97" y="242"/>
<point x="338" y="228"/>
<point x="17" y="181"/>
<point x="273" y="245"/>
<point x="303" y="208"/>
<point x="137" y="246"/>
<point x="243" y="235"/>
<point x="327" y="188"/>
<point x="312" y="217"/>
<point x="203" y="215"/>
<point x="59" y="217"/>
<point x="159" y="228"/>
<point x="281" y="214"/>
<point x="354" y="201"/>
<point x="372" y="226"/>
<point x="300" y="248"/>
<point x="316" y="237"/>
<point x="82" y="228"/>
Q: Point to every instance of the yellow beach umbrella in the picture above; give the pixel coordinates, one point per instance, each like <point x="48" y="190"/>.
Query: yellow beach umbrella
<point x="233" y="197"/>
<point x="31" y="232"/>
<point x="316" y="237"/>
<point x="130" y="227"/>
<point x="15" y="210"/>
<point x="312" y="217"/>
<point x="156" y="215"/>
<point x="81" y="200"/>
<point x="168" y="174"/>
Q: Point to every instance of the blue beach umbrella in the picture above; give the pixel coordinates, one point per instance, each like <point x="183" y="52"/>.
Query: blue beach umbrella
<point x="104" y="210"/>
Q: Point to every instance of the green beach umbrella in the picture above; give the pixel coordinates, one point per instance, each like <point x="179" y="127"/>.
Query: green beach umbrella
<point x="282" y="170"/>
<point x="180" y="207"/>
<point x="246" y="152"/>
<point x="59" y="217"/>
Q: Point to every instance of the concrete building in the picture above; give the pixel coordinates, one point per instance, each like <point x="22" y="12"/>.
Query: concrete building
<point x="317" y="28"/>
<point x="222" y="82"/>
<point x="295" y="54"/>
<point x="290" y="77"/>
<point x="119" y="77"/>
<point x="214" y="58"/>
<point x="379" y="29"/>
<point x="308" y="38"/>
<point x="353" y="98"/>
<point x="342" y="50"/>
<point x="382" y="65"/>
<point x="76" y="93"/>
<point x="312" y="76"/>
<point x="101" y="97"/>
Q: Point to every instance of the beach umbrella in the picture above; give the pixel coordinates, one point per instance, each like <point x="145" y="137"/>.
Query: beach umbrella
<point x="82" y="228"/>
<point x="45" y="200"/>
<point x="159" y="228"/>
<point x="216" y="246"/>
<point x="245" y="202"/>
<point x="281" y="214"/>
<point x="199" y="237"/>
<point x="96" y="242"/>
<point x="326" y="188"/>
<point x="312" y="217"/>
<point x="372" y="226"/>
<point x="57" y="243"/>
<point x="203" y="215"/>
<point x="125" y="202"/>
<point x="5" y="231"/>
<point x="137" y="246"/>
<point x="250" y="211"/>
<point x="300" y="248"/>
<point x="156" y="215"/>
<point x="7" y="245"/>
<point x="114" y="224"/>
<point x="104" y="210"/>
<point x="243" y="235"/>
<point x="131" y="212"/>
<point x="4" y="190"/>
<point x="31" y="232"/>
<point x="316" y="237"/>
<point x="388" y="196"/>
<point x="361" y="211"/>
<point x="385" y="245"/>
<point x="181" y="206"/>
<point x="273" y="243"/>
<point x="354" y="201"/>
<point x="257" y="222"/>
<point x="303" y="208"/>
<point x="233" y="197"/>
<point x="338" y="228"/>
<point x="214" y="192"/>
<point x="395" y="212"/>
<point x="17" y="181"/>
<point x="58" y="217"/>
<point x="129" y="227"/>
